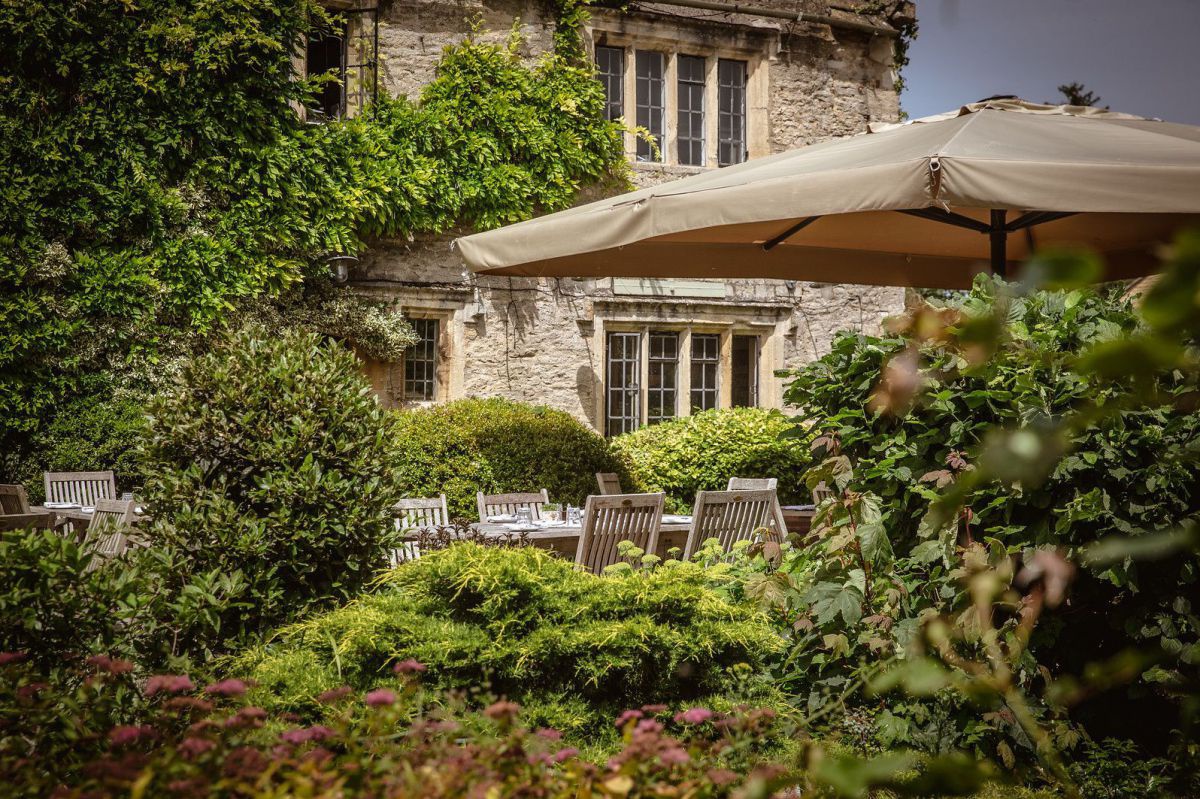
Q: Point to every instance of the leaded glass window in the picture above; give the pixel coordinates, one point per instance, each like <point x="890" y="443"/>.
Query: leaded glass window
<point x="650" y="69"/>
<point x="731" y="112"/>
<point x="420" y="362"/>
<point x="623" y="411"/>
<point x="663" y="381"/>
<point x="610" y="70"/>
<point x="691" y="110"/>
<point x="706" y="371"/>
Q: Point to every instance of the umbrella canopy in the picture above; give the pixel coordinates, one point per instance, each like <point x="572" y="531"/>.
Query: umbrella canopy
<point x="925" y="203"/>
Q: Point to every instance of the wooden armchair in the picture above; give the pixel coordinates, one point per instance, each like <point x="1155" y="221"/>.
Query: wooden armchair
<point x="26" y="521"/>
<point x="416" y="514"/>
<point x="507" y="504"/>
<point x="732" y="516"/>
<point x="609" y="520"/>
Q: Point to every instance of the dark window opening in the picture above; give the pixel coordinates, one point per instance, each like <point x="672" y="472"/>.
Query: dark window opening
<point x="691" y="110"/>
<point x="706" y="362"/>
<point x="326" y="55"/>
<point x="743" y="371"/>
<point x="663" y="380"/>
<point x="623" y="403"/>
<point x="610" y="70"/>
<point x="420" y="362"/>
<point x="731" y="112"/>
<point x="650" y="69"/>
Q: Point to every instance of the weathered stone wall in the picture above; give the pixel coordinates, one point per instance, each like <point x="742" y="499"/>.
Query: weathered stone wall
<point x="533" y="340"/>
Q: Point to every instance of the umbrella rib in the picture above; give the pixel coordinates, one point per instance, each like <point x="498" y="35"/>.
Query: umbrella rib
<point x="948" y="218"/>
<point x="772" y="243"/>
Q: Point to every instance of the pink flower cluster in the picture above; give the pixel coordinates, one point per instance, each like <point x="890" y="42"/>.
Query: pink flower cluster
<point x="168" y="684"/>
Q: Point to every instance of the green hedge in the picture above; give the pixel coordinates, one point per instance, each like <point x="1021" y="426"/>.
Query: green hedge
<point x="574" y="649"/>
<point x="702" y="451"/>
<point x="494" y="446"/>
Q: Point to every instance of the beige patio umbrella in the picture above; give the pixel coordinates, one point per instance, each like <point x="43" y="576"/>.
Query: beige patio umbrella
<point x="927" y="203"/>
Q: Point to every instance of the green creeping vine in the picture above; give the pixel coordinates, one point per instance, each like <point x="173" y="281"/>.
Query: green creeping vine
<point x="154" y="177"/>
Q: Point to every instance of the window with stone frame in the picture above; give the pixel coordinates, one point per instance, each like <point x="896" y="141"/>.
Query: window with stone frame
<point x="421" y="362"/>
<point x="651" y="103"/>
<point x="325" y="55"/>
<point x="652" y="374"/>
<point x="692" y="95"/>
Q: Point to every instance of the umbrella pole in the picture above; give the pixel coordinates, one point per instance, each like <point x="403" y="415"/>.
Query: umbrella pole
<point x="999" y="237"/>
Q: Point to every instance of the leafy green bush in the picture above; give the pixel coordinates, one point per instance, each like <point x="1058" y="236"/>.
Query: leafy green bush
<point x="496" y="446"/>
<point x="702" y="451"/>
<point x="53" y="606"/>
<point x="573" y="648"/>
<point x="269" y="462"/>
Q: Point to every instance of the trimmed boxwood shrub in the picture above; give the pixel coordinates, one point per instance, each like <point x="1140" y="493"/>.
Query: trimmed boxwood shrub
<point x="496" y="446"/>
<point x="574" y="649"/>
<point x="702" y="451"/>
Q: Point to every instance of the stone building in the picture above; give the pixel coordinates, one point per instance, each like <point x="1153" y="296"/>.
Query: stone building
<point x="717" y="88"/>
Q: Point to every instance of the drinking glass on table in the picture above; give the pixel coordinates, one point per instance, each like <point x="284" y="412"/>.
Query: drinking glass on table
<point x="574" y="516"/>
<point x="524" y="516"/>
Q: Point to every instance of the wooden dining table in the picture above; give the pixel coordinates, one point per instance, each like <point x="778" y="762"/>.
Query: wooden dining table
<point x="77" y="516"/>
<point x="564" y="539"/>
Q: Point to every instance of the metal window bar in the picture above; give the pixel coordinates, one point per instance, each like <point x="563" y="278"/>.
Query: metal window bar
<point x="610" y="70"/>
<point x="706" y="371"/>
<point x="650" y="69"/>
<point x="623" y="394"/>
<point x="691" y="110"/>
<point x="731" y="112"/>
<point x="744" y="372"/>
<point x="420" y="362"/>
<point x="663" y="363"/>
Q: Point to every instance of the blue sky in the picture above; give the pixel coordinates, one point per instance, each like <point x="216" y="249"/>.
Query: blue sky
<point x="1140" y="56"/>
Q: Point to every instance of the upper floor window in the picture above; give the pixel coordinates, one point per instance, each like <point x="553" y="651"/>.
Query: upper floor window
<point x="651" y="102"/>
<point x="610" y="69"/>
<point x="695" y="104"/>
<point x="325" y="54"/>
<point x="731" y="116"/>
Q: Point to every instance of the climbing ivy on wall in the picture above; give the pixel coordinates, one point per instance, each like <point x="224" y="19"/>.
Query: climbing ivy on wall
<point x="155" y="178"/>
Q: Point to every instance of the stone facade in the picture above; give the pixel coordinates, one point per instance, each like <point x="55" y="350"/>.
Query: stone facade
<point x="546" y="341"/>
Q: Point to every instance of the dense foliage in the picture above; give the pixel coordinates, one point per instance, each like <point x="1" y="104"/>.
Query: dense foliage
<point x="497" y="446"/>
<point x="156" y="175"/>
<point x="574" y="649"/>
<point x="702" y="451"/>
<point x="268" y="469"/>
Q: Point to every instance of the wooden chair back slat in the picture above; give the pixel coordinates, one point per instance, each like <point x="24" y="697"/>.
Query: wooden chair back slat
<point x="84" y="488"/>
<point x="13" y="499"/>
<point x="507" y="504"/>
<point x="107" y="534"/>
<point x="821" y="493"/>
<point x="609" y="483"/>
<point x="732" y="516"/>
<point x="609" y="520"/>
<point x="26" y="521"/>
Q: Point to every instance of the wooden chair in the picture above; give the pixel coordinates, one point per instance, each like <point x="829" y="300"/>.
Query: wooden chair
<point x="415" y="514"/>
<point x="83" y="488"/>
<point x="26" y="521"/>
<point x="609" y="483"/>
<point x="821" y="493"/>
<point x="752" y="484"/>
<point x="107" y="533"/>
<point x="732" y="516"/>
<point x="13" y="499"/>
<point x="507" y="504"/>
<point x="609" y="520"/>
<point x="778" y="523"/>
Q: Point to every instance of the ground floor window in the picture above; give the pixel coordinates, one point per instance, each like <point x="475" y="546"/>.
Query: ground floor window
<point x="421" y="362"/>
<point x="651" y="375"/>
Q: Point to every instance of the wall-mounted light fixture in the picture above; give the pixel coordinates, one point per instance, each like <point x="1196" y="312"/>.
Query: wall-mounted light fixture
<point x="339" y="267"/>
